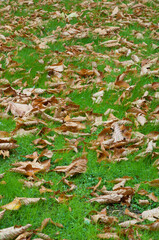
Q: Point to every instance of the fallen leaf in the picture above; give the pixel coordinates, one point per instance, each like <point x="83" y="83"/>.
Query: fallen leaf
<point x="117" y="135"/>
<point x="19" y="201"/>
<point x="131" y="214"/>
<point x="12" y="232"/>
<point x="115" y="11"/>
<point x="154" y="183"/>
<point x="152" y="227"/>
<point x="108" y="235"/>
<point x="79" y="165"/>
<point x="14" y="205"/>
<point x="19" y="110"/>
<point x="44" y="190"/>
<point x="151" y="214"/>
<point x="128" y="223"/>
<point x="29" y="168"/>
<point x="24" y="235"/>
<point x="143" y="202"/>
<point x="109" y="199"/>
<point x="141" y="119"/>
<point x="1" y="214"/>
<point x="46" y="221"/>
<point x="43" y="236"/>
<point x="153" y="197"/>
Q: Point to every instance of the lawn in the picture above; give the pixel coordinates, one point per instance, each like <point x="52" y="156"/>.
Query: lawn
<point x="79" y="120"/>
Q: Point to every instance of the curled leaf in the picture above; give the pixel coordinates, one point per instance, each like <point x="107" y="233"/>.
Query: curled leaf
<point x="79" y="165"/>
<point x="19" y="201"/>
<point x="12" y="232"/>
<point x="1" y="214"/>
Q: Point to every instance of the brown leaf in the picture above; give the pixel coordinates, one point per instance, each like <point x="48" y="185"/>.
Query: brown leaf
<point x="44" y="130"/>
<point x="151" y="214"/>
<point x="42" y="142"/>
<point x="142" y="192"/>
<point x="1" y="214"/>
<point x="115" y="11"/>
<point x="70" y="184"/>
<point x="2" y="175"/>
<point x="19" y="201"/>
<point x="43" y="236"/>
<point x="131" y="214"/>
<point x="23" y="132"/>
<point x="44" y="190"/>
<point x="63" y="198"/>
<point x="14" y="205"/>
<point x="117" y="135"/>
<point x="4" y="134"/>
<point x="9" y="91"/>
<point x="152" y="197"/>
<point x="79" y="165"/>
<point x="97" y="185"/>
<point x="46" y="221"/>
<point x="58" y="67"/>
<point x="108" y="235"/>
<point x="8" y="146"/>
<point x="152" y="227"/>
<point x="154" y="183"/>
<point x="24" y="236"/>
<point x="109" y="43"/>
<point x="123" y="194"/>
<point x="12" y="232"/>
<point x="129" y="223"/>
<point x="141" y="119"/>
<point x="19" y="110"/>
<point x="143" y="202"/>
<point x="31" y="168"/>
<point x="102" y="217"/>
<point x="86" y="72"/>
<point x="4" y="153"/>
<point x="109" y="199"/>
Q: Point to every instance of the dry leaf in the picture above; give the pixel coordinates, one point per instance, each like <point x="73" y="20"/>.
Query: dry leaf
<point x="19" y="110"/>
<point x="117" y="135"/>
<point x="129" y="223"/>
<point x="19" y="201"/>
<point x="109" y="199"/>
<point x="24" y="236"/>
<point x="14" y="205"/>
<point x="2" y="175"/>
<point x="108" y="235"/>
<point x="29" y="168"/>
<point x="12" y="232"/>
<point x="141" y="119"/>
<point x="115" y="11"/>
<point x="1" y="214"/>
<point x="46" y="221"/>
<point x="102" y="218"/>
<point x="123" y="194"/>
<point x="79" y="165"/>
<point x="131" y="214"/>
<point x="43" y="236"/>
<point x="143" y="202"/>
<point x="151" y="214"/>
<point x="152" y="227"/>
<point x="44" y="190"/>
<point x="152" y="197"/>
<point x="154" y="183"/>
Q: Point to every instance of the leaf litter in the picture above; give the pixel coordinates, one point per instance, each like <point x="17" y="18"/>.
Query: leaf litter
<point x="33" y="108"/>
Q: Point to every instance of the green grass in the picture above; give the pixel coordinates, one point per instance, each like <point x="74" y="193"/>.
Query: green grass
<point x="27" y="54"/>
